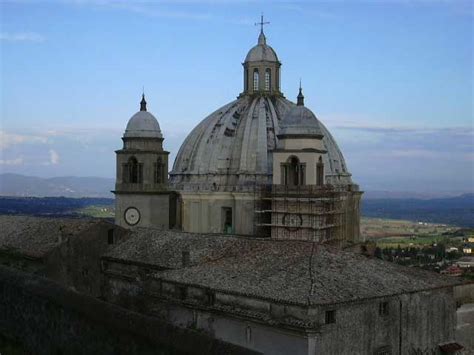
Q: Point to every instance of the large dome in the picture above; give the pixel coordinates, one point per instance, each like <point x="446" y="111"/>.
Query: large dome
<point x="231" y="149"/>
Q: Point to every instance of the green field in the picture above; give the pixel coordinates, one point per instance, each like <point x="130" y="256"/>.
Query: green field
<point x="390" y="233"/>
<point x="97" y="211"/>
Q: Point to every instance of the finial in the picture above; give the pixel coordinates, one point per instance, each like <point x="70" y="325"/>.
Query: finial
<point x="143" y="102"/>
<point x="261" y="37"/>
<point x="300" y="98"/>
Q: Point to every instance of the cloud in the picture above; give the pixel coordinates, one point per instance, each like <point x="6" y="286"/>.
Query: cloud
<point x="17" y="161"/>
<point x="22" y="37"/>
<point x="53" y="157"/>
<point x="405" y="129"/>
<point x="8" y="140"/>
<point x="152" y="9"/>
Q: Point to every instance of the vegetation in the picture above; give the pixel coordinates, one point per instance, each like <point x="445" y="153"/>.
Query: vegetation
<point x="58" y="206"/>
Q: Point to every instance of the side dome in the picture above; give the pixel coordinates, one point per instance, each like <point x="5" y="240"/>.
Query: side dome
<point x="143" y="124"/>
<point x="261" y="52"/>
<point x="300" y="121"/>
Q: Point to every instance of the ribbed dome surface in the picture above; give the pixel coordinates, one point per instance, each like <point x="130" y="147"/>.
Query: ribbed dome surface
<point x="143" y="125"/>
<point x="231" y="149"/>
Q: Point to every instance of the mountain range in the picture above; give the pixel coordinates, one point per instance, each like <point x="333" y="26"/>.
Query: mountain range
<point x="67" y="186"/>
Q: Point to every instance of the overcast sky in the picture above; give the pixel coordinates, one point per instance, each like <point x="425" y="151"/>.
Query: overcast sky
<point x="392" y="80"/>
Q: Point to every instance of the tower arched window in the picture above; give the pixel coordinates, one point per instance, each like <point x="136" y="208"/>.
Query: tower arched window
<point x="268" y="79"/>
<point x="255" y="79"/>
<point x="320" y="172"/>
<point x="134" y="171"/>
<point x="160" y="171"/>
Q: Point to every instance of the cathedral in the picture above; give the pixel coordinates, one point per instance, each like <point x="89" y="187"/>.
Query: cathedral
<point x="236" y="250"/>
<point x="260" y="165"/>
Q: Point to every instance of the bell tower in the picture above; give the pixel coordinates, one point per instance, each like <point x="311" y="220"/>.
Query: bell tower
<point x="141" y="190"/>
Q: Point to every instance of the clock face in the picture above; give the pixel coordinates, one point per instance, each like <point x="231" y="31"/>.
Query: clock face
<point x="292" y="221"/>
<point x="132" y="216"/>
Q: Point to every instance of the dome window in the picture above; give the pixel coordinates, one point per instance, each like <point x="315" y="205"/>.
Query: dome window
<point x="320" y="172"/>
<point x="255" y="79"/>
<point x="268" y="79"/>
<point x="293" y="172"/>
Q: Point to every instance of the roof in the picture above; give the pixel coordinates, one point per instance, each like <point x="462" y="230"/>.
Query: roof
<point x="294" y="272"/>
<point x="300" y="120"/>
<point x="143" y="125"/>
<point x="233" y="146"/>
<point x="261" y="52"/>
<point x="36" y="236"/>
<point x="163" y="248"/>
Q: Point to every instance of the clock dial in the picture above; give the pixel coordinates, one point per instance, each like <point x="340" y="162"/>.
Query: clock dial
<point x="292" y="221"/>
<point x="132" y="216"/>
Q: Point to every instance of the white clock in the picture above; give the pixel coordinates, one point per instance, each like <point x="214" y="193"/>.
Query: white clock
<point x="292" y="221"/>
<point x="132" y="216"/>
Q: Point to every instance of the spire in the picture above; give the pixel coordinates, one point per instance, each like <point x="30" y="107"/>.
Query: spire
<point x="261" y="38"/>
<point x="300" y="98"/>
<point x="143" y="103"/>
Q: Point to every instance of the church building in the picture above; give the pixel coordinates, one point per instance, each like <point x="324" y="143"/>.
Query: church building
<point x="260" y="165"/>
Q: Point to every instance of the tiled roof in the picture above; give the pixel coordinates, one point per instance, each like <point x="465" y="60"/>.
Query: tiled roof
<point x="35" y="236"/>
<point x="295" y="272"/>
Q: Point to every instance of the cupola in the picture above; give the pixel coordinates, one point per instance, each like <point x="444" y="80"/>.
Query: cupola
<point x="262" y="67"/>
<point x="143" y="124"/>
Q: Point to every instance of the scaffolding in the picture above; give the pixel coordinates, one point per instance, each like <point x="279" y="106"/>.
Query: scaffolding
<point x="301" y="212"/>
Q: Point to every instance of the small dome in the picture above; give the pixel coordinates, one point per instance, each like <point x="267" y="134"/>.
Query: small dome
<point x="300" y="120"/>
<point x="143" y="124"/>
<point x="261" y="51"/>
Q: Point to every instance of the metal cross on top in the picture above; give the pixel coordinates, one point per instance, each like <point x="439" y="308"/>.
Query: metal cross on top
<point x="261" y="23"/>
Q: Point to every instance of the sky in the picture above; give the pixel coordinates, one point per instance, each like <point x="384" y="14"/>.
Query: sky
<point x="392" y="80"/>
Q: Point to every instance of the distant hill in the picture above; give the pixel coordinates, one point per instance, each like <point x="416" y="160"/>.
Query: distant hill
<point x="379" y="194"/>
<point x="68" y="186"/>
<point x="457" y="210"/>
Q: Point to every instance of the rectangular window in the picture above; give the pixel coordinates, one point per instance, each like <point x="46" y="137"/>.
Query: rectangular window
<point x="182" y="292"/>
<point x="110" y="236"/>
<point x="330" y="317"/>
<point x="210" y="297"/>
<point x="227" y="220"/>
<point x="383" y="308"/>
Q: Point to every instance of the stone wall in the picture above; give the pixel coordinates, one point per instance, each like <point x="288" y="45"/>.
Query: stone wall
<point x="414" y="323"/>
<point x="464" y="293"/>
<point x="75" y="263"/>
<point x="41" y="317"/>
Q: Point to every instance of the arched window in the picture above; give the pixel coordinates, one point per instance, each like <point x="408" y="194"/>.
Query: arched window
<point x="255" y="79"/>
<point x="159" y="171"/>
<point x="268" y="79"/>
<point x="135" y="175"/>
<point x="294" y="172"/>
<point x="320" y="172"/>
